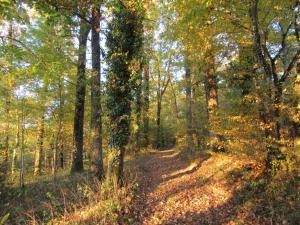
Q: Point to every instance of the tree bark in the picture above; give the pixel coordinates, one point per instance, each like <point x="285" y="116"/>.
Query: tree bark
<point x="22" y="146"/>
<point x="58" y="138"/>
<point x="96" y="112"/>
<point x="158" y="123"/>
<point x="211" y="87"/>
<point x="41" y="131"/>
<point x="146" y="103"/>
<point x="40" y="145"/>
<point x="189" y="112"/>
<point x="14" y="157"/>
<point x="138" y="111"/>
<point x="77" y="156"/>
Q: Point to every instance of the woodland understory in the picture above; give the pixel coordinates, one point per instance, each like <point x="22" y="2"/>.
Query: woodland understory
<point x="150" y="112"/>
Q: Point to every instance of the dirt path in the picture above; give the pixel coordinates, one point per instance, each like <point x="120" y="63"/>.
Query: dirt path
<point x="175" y="192"/>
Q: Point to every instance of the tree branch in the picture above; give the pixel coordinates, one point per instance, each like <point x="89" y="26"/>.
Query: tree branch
<point x="257" y="38"/>
<point x="290" y="67"/>
<point x="283" y="41"/>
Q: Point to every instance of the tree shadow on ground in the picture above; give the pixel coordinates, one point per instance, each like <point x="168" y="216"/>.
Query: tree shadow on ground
<point x="151" y="171"/>
<point x="249" y="204"/>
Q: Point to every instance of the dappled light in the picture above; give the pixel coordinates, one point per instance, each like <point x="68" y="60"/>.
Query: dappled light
<point x="147" y="112"/>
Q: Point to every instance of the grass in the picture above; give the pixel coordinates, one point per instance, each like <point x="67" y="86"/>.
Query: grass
<point x="76" y="199"/>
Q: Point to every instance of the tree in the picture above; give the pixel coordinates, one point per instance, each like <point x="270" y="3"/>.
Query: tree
<point x="124" y="42"/>
<point x="77" y="157"/>
<point x="189" y="112"/>
<point x="96" y="114"/>
<point x="268" y="62"/>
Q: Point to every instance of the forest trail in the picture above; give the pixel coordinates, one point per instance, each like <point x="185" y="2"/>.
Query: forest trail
<point x="173" y="191"/>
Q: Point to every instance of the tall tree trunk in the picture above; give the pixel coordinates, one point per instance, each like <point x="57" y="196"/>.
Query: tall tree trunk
<point x="158" y="113"/>
<point x="41" y="131"/>
<point x="146" y="103"/>
<point x="22" y="146"/>
<point x="77" y="156"/>
<point x="158" y="123"/>
<point x="211" y="88"/>
<point x="96" y="117"/>
<point x="14" y="156"/>
<point x="40" y="145"/>
<point x="175" y="102"/>
<point x="7" y="132"/>
<point x="7" y="113"/>
<point x="189" y="112"/>
<point x="138" y="111"/>
<point x="58" y="138"/>
<point x="124" y="42"/>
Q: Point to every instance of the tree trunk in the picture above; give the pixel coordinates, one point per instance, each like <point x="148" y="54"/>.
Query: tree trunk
<point x="146" y="103"/>
<point x="158" y="124"/>
<point x="58" y="138"/>
<point x="96" y="117"/>
<point x="211" y="89"/>
<point x="40" y="146"/>
<point x="22" y="146"/>
<point x="7" y="133"/>
<point x="175" y="103"/>
<point x="77" y="156"/>
<point x="189" y="115"/>
<point x="14" y="157"/>
<point x="138" y="112"/>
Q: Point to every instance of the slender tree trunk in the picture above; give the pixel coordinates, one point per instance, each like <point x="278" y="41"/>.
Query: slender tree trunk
<point x="175" y="102"/>
<point x="7" y="114"/>
<point x="38" y="161"/>
<point x="14" y="157"/>
<point x="7" y="133"/>
<point x="40" y="146"/>
<point x="77" y="156"/>
<point x="158" y="123"/>
<point x="146" y="103"/>
<point x="22" y="146"/>
<point x="158" y="113"/>
<point x="138" y="112"/>
<point x="58" y="138"/>
<point x="96" y="114"/>
<point x="189" y="112"/>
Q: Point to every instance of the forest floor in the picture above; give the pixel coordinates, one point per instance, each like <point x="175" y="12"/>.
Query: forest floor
<point x="214" y="189"/>
<point x="164" y="187"/>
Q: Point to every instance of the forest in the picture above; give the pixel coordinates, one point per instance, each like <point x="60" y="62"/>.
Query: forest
<point x="150" y="112"/>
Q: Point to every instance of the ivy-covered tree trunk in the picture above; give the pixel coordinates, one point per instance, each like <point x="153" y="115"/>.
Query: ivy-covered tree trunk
<point x="211" y="90"/>
<point x="77" y="157"/>
<point x="96" y="114"/>
<point x="189" y="112"/>
<point x="124" y="42"/>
